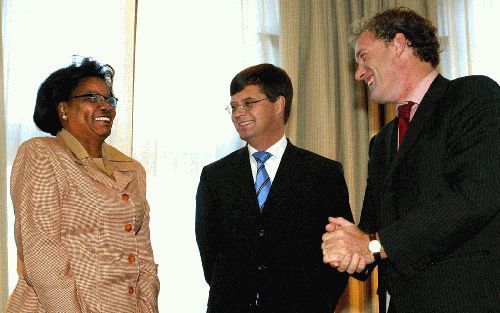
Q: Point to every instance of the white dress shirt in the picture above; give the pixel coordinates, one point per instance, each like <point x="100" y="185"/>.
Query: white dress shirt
<point x="273" y="163"/>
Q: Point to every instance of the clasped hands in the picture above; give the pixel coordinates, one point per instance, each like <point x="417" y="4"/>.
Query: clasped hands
<point x="345" y="246"/>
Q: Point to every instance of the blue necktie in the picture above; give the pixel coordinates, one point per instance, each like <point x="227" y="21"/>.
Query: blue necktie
<point x="262" y="180"/>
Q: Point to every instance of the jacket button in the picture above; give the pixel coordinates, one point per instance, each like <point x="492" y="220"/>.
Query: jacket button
<point x="125" y="197"/>
<point x="128" y="227"/>
<point x="130" y="290"/>
<point x="131" y="258"/>
<point x="258" y="302"/>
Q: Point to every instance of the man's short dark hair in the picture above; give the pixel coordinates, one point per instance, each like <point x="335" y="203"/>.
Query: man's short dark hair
<point x="272" y="80"/>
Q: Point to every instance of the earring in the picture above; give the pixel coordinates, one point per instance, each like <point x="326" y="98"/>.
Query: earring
<point x="64" y="117"/>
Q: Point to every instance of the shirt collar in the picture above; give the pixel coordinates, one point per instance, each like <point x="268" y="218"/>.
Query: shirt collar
<point x="418" y="93"/>
<point x="277" y="150"/>
<point x="109" y="153"/>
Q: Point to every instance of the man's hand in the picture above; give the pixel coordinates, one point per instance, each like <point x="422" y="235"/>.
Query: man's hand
<point x="345" y="246"/>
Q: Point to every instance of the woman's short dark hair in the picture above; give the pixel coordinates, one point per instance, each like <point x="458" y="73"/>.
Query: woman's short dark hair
<point x="59" y="86"/>
<point x="272" y="80"/>
<point x="419" y="31"/>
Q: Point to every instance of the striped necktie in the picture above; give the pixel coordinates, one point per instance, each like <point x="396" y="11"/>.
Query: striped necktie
<point x="262" y="180"/>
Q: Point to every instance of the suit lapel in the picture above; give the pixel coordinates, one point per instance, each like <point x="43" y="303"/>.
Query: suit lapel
<point x="122" y="177"/>
<point x="390" y="142"/>
<point x="244" y="179"/>
<point x="286" y="172"/>
<point x="280" y="186"/>
<point x="419" y="121"/>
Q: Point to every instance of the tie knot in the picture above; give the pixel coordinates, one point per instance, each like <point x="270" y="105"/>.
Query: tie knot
<point x="405" y="109"/>
<point x="261" y="156"/>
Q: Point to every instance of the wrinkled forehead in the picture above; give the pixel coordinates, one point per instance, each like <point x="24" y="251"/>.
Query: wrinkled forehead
<point x="366" y="41"/>
<point x="358" y="48"/>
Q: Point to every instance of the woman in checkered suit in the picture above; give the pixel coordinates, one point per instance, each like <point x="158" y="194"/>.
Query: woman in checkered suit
<point x="82" y="219"/>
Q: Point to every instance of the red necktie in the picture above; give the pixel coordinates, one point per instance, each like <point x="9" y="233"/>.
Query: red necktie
<point x="404" y="119"/>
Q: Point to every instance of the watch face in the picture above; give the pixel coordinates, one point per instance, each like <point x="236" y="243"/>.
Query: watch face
<point x="374" y="246"/>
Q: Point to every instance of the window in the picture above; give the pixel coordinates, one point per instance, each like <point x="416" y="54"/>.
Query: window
<point x="173" y="68"/>
<point x="467" y="30"/>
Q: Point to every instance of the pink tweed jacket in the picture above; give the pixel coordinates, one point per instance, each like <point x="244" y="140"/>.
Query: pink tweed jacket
<point x="82" y="236"/>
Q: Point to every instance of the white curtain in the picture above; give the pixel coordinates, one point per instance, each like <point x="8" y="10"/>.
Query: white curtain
<point x="468" y="31"/>
<point x="186" y="56"/>
<point x="174" y="61"/>
<point x="41" y="37"/>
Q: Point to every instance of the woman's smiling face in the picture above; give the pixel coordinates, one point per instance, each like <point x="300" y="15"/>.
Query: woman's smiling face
<point x="88" y="121"/>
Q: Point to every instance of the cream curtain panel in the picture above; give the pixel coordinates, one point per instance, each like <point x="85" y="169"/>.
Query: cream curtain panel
<point x="40" y="37"/>
<point x="182" y="78"/>
<point x="330" y="114"/>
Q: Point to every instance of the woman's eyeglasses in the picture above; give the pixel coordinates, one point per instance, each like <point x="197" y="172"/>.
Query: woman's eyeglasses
<point x="97" y="98"/>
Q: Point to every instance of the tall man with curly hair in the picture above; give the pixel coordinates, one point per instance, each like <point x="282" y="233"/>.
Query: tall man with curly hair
<point x="430" y="217"/>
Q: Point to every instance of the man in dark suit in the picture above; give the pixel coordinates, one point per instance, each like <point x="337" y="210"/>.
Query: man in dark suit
<point x="430" y="215"/>
<point x="263" y="254"/>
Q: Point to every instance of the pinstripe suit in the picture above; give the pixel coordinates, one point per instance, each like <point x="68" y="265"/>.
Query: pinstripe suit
<point x="435" y="201"/>
<point x="82" y="236"/>
<point x="277" y="253"/>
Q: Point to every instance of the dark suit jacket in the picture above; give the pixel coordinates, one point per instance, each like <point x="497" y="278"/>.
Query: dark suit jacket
<point x="276" y="253"/>
<point x="435" y="202"/>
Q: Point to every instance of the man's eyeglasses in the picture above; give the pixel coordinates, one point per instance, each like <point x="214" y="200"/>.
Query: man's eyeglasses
<point x="245" y="106"/>
<point x="97" y="98"/>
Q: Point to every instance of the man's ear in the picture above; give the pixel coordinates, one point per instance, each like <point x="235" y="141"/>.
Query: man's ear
<point x="280" y="104"/>
<point x="400" y="43"/>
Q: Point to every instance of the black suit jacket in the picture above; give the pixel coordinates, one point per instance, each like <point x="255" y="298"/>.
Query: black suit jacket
<point x="277" y="253"/>
<point x="435" y="202"/>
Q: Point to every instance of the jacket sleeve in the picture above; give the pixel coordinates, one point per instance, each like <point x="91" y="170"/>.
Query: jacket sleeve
<point x="149" y="284"/>
<point x="371" y="204"/>
<point x="338" y="194"/>
<point x="205" y="227"/>
<point x="36" y="191"/>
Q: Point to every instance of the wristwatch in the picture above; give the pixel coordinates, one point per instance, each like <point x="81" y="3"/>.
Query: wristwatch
<point x="374" y="246"/>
